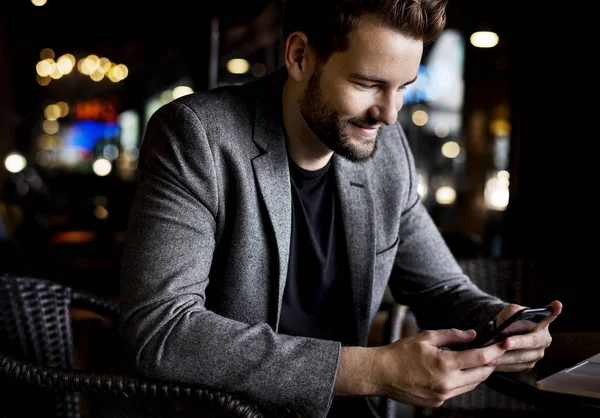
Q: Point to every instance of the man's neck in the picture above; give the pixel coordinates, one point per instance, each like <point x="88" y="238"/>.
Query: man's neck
<point x="303" y="146"/>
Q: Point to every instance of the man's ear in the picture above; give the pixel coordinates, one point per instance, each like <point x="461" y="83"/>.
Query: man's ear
<point x="297" y="55"/>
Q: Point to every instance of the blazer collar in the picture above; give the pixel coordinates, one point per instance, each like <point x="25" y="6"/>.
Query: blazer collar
<point x="357" y="211"/>
<point x="272" y="172"/>
<point x="273" y="178"/>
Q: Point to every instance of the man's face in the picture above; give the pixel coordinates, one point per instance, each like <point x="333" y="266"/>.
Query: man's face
<point x="349" y="97"/>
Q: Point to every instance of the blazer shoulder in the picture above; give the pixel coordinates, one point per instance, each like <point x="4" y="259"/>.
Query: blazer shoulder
<point x="221" y="104"/>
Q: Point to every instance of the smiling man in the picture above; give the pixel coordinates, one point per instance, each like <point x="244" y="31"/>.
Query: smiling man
<point x="344" y="102"/>
<point x="270" y="218"/>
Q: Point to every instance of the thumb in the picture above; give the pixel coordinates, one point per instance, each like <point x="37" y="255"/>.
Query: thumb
<point x="451" y="336"/>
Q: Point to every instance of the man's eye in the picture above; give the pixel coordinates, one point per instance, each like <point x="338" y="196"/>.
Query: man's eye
<point x="364" y="86"/>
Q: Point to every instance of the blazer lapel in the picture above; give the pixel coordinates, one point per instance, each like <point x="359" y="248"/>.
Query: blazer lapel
<point x="358" y="218"/>
<point x="273" y="178"/>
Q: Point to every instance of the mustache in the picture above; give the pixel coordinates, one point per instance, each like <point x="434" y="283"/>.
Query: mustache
<point x="369" y="123"/>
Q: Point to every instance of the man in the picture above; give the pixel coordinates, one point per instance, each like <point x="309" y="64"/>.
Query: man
<point x="270" y="218"/>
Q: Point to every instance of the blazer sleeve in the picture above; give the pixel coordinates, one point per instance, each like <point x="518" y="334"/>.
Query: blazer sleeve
<point x="427" y="277"/>
<point x="166" y="330"/>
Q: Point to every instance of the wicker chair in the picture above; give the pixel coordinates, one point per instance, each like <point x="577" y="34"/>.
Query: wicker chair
<point x="38" y="376"/>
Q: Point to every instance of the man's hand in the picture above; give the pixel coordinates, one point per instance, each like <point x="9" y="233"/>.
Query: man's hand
<point x="524" y="351"/>
<point x="416" y="370"/>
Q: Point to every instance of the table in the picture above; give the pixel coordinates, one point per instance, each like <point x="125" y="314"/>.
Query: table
<point x="566" y="350"/>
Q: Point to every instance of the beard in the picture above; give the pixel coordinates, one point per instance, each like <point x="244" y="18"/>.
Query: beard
<point x="333" y="129"/>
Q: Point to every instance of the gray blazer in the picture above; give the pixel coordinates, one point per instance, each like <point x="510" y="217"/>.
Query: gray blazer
<point x="206" y="252"/>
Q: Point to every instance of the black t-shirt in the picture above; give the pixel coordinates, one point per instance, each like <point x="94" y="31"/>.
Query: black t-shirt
<point x="317" y="301"/>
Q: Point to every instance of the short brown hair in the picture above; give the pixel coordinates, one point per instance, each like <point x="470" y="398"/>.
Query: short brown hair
<point x="327" y="23"/>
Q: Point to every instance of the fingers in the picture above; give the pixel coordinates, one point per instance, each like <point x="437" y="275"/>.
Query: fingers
<point x="477" y="357"/>
<point x="446" y="337"/>
<point x="519" y="357"/>
<point x="509" y="311"/>
<point x="538" y="339"/>
<point x="474" y="376"/>
<point x="556" y="310"/>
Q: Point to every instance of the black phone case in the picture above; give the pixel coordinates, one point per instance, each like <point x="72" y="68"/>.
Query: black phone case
<point x="487" y="333"/>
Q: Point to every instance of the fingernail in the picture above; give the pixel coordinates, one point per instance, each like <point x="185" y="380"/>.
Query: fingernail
<point x="511" y="343"/>
<point x="493" y="362"/>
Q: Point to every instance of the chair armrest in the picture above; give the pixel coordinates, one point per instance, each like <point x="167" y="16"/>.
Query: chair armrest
<point x="123" y="386"/>
<point x="100" y="305"/>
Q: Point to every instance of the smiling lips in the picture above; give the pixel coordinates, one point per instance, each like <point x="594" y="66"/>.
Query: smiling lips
<point x="367" y="131"/>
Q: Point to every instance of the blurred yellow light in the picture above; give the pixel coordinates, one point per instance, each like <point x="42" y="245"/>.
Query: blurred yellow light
<point x="124" y="70"/>
<point x="450" y="149"/>
<point x="52" y="112"/>
<point x="90" y="64"/>
<point x="105" y="64"/>
<point x="64" y="64"/>
<point x="47" y="53"/>
<point x="56" y="74"/>
<point x="50" y="126"/>
<point x="100" y="212"/>
<point x="238" y="66"/>
<point x="38" y="3"/>
<point x="500" y="127"/>
<point x="64" y="108"/>
<point x="181" y="91"/>
<point x="97" y="75"/>
<point x="45" y="67"/>
<point x="43" y="81"/>
<point x="484" y="39"/>
<point x="420" y="117"/>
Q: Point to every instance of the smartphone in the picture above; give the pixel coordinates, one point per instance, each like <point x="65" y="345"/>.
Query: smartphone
<point x="493" y="332"/>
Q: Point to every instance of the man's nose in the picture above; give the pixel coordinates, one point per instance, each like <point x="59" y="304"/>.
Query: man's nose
<point x="387" y="108"/>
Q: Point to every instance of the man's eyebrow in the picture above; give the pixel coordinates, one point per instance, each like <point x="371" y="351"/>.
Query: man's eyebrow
<point x="366" y="77"/>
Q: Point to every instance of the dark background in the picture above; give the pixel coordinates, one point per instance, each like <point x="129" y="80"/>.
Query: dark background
<point x="550" y="83"/>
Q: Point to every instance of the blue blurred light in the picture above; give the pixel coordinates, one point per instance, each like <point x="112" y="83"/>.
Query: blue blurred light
<point x="86" y="133"/>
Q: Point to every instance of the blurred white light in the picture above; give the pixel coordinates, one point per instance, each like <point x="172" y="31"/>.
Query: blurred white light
<point x="445" y="195"/>
<point x="450" y="149"/>
<point x="238" y="66"/>
<point x="15" y="162"/>
<point x="422" y="187"/>
<point x="110" y="152"/>
<point x="503" y="174"/>
<point x="441" y="129"/>
<point x="496" y="194"/>
<point x="102" y="167"/>
<point x="38" y="3"/>
<point x="498" y="198"/>
<point x="484" y="39"/>
<point x="129" y="121"/>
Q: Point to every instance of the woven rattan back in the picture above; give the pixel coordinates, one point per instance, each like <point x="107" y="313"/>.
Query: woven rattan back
<point x="38" y="376"/>
<point x="35" y="327"/>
